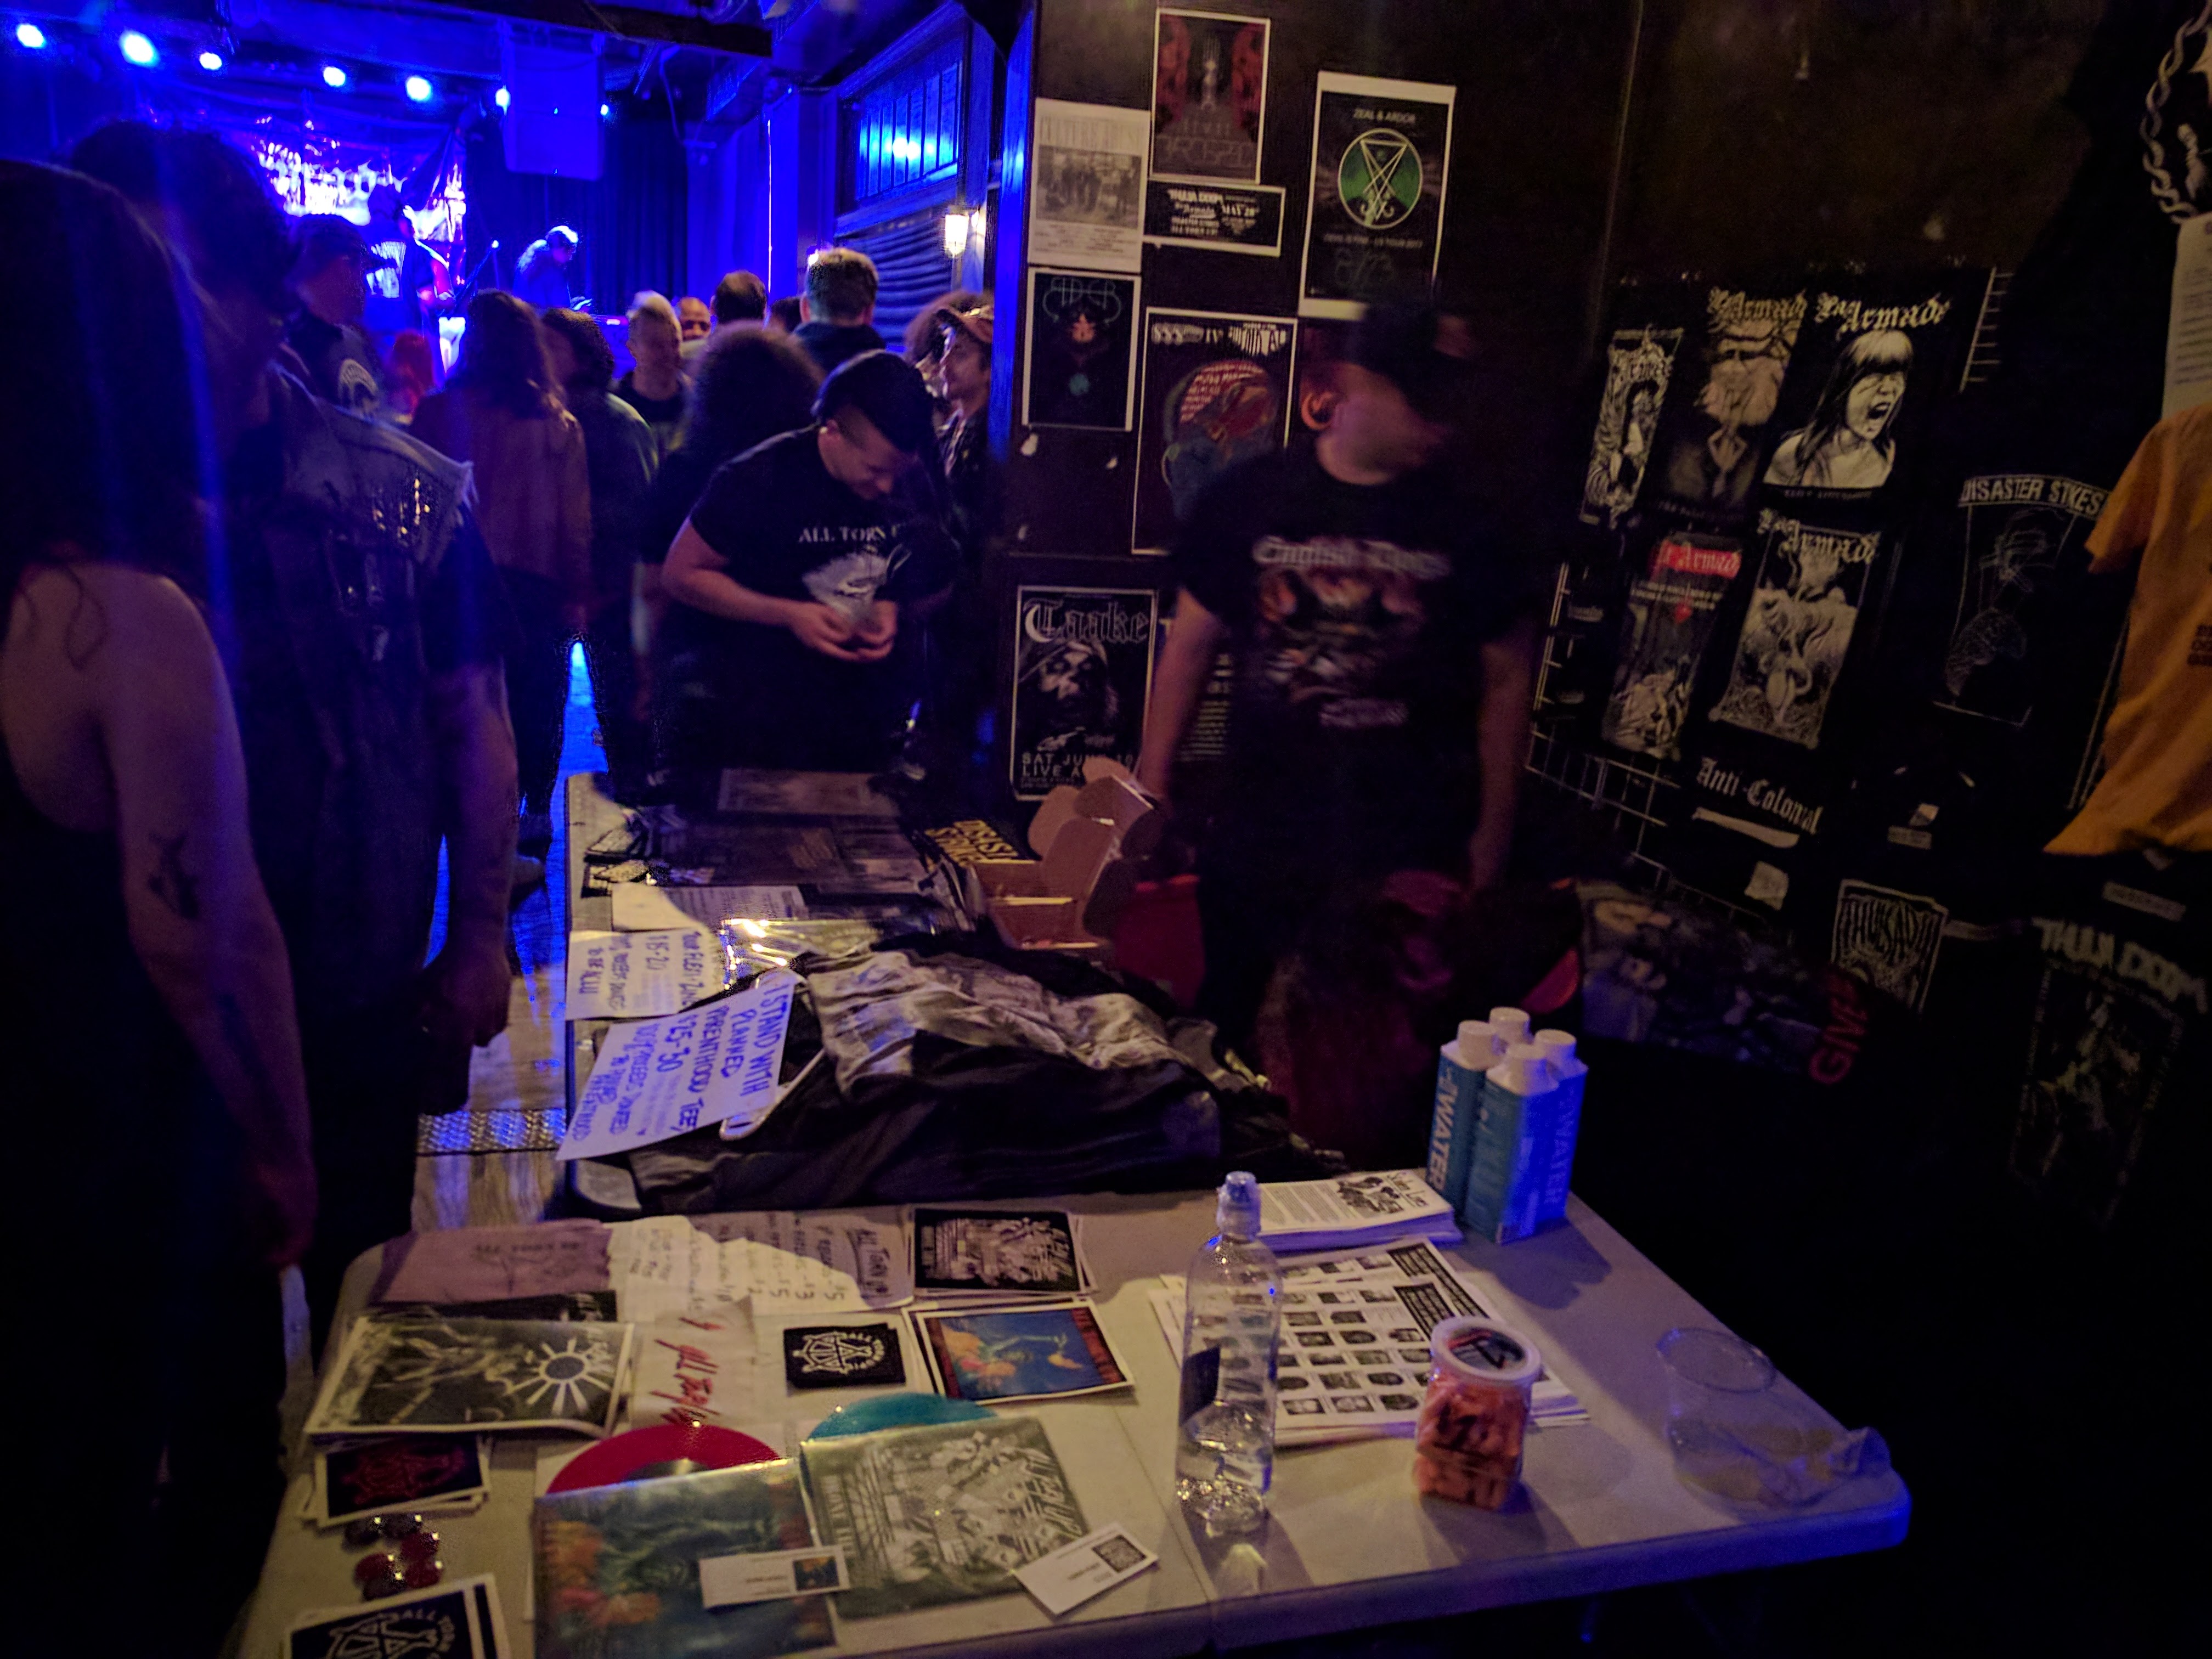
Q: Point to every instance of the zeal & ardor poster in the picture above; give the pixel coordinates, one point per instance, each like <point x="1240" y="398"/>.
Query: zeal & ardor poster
<point x="1375" y="219"/>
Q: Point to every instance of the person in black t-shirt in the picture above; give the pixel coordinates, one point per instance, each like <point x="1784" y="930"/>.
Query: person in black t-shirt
<point x="654" y="386"/>
<point x="753" y="386"/>
<point x="1381" y="664"/>
<point x="788" y="579"/>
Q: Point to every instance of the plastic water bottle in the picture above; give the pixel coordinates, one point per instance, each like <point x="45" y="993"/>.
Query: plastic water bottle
<point x="1232" y="1317"/>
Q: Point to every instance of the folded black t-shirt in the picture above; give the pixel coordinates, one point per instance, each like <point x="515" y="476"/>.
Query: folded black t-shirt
<point x="789" y="530"/>
<point x="1356" y="614"/>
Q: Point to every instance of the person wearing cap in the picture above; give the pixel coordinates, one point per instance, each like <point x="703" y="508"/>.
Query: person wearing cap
<point x="1382" y="661"/>
<point x="960" y="658"/>
<point x="788" y="581"/>
<point x="331" y="261"/>
<point x="541" y="276"/>
<point x="964" y="375"/>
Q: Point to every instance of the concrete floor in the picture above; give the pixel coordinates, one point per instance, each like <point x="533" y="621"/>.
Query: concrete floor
<point x="521" y="1070"/>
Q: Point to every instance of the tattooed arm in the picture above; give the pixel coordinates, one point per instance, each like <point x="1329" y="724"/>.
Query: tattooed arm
<point x="199" y="919"/>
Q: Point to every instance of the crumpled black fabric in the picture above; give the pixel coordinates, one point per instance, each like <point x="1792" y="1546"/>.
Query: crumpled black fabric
<point x="984" y="1079"/>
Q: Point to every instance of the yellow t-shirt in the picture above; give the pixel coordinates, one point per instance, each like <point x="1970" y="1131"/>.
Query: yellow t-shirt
<point x="2157" y="786"/>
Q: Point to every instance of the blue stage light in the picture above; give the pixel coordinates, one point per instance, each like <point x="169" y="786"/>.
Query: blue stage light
<point x="500" y="97"/>
<point x="419" y="88"/>
<point x="138" y="49"/>
<point x="606" y="111"/>
<point x="30" y="36"/>
<point x="334" y="78"/>
<point x="211" y="62"/>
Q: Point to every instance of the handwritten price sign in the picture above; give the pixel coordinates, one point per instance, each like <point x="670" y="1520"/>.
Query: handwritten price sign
<point x="656" y="1079"/>
<point x="637" y="976"/>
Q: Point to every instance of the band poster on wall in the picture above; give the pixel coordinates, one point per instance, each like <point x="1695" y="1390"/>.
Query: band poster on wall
<point x="1209" y="116"/>
<point x="1083" y="672"/>
<point x="1088" y="208"/>
<point x="1217" y="391"/>
<point x="1082" y="351"/>
<point x="1374" y="220"/>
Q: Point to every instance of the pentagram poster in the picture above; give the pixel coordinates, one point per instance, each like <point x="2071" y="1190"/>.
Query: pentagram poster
<point x="1375" y="219"/>
<point x="1082" y="351"/>
<point x="1217" y="391"/>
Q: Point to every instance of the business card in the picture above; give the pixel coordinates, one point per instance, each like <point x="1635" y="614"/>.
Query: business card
<point x="727" y="1580"/>
<point x="1090" y="1566"/>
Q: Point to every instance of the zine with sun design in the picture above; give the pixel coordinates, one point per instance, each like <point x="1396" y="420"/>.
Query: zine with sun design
<point x="447" y="1376"/>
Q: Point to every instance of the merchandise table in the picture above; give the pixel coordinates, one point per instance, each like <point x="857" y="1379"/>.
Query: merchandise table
<point x="1349" y="1544"/>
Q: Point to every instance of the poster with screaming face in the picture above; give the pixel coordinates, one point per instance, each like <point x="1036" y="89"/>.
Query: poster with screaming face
<point x="1866" y="364"/>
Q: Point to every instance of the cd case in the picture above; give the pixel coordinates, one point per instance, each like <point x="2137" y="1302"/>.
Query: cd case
<point x="942" y="1514"/>
<point x="618" y="1567"/>
<point x="994" y="1253"/>
<point x="998" y="1356"/>
<point x="456" y="1620"/>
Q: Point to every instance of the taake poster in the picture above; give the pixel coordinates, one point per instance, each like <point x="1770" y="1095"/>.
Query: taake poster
<point x="1083" y="664"/>
<point x="1217" y="391"/>
<point x="1374" y="220"/>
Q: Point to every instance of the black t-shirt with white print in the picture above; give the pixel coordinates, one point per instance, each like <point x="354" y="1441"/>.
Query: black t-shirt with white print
<point x="789" y="530"/>
<point x="1356" y="615"/>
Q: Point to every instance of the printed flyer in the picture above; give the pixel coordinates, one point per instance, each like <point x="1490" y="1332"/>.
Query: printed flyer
<point x="1209" y="94"/>
<point x="1088" y="208"/>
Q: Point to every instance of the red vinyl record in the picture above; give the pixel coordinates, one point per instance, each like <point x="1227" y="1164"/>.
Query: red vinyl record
<point x="664" y="1449"/>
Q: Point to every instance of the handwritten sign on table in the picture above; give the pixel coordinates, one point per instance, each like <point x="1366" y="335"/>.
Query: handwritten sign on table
<point x="635" y="975"/>
<point x="490" y="1264"/>
<point x="659" y="1078"/>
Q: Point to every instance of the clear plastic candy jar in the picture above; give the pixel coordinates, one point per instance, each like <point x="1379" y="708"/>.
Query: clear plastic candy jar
<point x="1468" y="1440"/>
